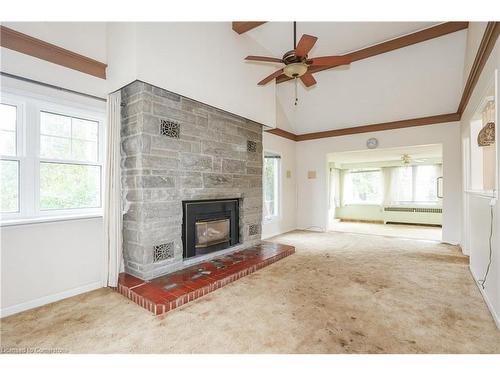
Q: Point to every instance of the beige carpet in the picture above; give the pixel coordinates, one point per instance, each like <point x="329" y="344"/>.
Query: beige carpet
<point x="340" y="293"/>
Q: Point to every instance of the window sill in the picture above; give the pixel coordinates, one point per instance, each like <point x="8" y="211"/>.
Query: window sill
<point x="47" y="219"/>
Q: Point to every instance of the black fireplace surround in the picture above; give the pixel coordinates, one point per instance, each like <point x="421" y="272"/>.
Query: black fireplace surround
<point x="209" y="225"/>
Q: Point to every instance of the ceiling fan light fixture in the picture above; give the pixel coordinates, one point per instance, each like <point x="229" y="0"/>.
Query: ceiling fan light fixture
<point x="295" y="70"/>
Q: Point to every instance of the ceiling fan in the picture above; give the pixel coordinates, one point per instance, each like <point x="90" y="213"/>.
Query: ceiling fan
<point x="297" y="62"/>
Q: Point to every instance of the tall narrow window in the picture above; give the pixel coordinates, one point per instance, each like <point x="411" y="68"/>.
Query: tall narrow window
<point x="70" y="175"/>
<point x="9" y="163"/>
<point x="272" y="172"/>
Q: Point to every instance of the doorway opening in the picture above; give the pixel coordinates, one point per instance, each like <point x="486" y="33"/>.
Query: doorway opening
<point x="390" y="192"/>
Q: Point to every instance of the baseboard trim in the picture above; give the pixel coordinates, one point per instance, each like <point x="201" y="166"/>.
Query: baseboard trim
<point x="493" y="313"/>
<point x="11" y="310"/>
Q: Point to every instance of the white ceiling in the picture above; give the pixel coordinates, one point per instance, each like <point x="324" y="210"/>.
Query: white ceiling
<point x="424" y="79"/>
<point x="434" y="151"/>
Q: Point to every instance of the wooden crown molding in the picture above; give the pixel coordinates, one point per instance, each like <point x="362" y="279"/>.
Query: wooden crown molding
<point x="28" y="45"/>
<point x="420" y="121"/>
<point x="487" y="44"/>
<point x="283" y="133"/>
<point x="394" y="44"/>
<point x="243" y="27"/>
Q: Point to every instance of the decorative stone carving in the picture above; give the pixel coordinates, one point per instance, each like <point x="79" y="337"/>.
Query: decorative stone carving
<point x="163" y="252"/>
<point x="251" y="146"/>
<point x="170" y="129"/>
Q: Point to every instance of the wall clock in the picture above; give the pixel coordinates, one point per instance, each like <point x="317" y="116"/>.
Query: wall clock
<point x="372" y="143"/>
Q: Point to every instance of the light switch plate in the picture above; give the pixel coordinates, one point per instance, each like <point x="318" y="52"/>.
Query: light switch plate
<point x="288" y="173"/>
<point x="311" y="174"/>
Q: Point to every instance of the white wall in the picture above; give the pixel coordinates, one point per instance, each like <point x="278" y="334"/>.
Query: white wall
<point x="476" y="211"/>
<point x="203" y="61"/>
<point x="287" y="218"/>
<point x="45" y="262"/>
<point x="86" y="38"/>
<point x="312" y="155"/>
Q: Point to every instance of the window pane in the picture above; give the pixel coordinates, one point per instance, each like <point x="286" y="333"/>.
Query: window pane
<point x="84" y="150"/>
<point x="55" y="147"/>
<point x="8" y="118"/>
<point x="84" y="129"/>
<point x="269" y="172"/>
<point x="426" y="183"/>
<point x="69" y="138"/>
<point x="7" y="142"/>
<point x="271" y="186"/>
<point x="9" y="186"/>
<point x="64" y="186"/>
<point x="363" y="187"/>
<point x="53" y="124"/>
<point x="401" y="184"/>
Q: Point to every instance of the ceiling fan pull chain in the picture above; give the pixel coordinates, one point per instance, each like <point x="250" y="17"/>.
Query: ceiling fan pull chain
<point x="296" y="96"/>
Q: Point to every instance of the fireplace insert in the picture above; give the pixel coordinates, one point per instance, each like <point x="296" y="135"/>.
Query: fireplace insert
<point x="209" y="225"/>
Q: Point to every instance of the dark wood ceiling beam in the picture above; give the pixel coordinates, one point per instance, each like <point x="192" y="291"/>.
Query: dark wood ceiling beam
<point x="421" y="121"/>
<point x="394" y="44"/>
<point x="40" y="49"/>
<point x="487" y="44"/>
<point x="243" y="27"/>
<point x="282" y="133"/>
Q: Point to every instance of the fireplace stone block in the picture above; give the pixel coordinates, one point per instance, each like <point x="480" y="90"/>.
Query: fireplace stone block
<point x="176" y="149"/>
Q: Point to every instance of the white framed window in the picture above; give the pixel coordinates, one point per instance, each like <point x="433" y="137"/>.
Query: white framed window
<point x="52" y="157"/>
<point x="415" y="184"/>
<point x="272" y="186"/>
<point x="363" y="186"/>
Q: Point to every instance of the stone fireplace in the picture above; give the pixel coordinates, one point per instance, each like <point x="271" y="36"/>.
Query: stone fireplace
<point x="177" y="153"/>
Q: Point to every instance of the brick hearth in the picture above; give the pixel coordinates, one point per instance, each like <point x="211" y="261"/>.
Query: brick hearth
<point x="171" y="291"/>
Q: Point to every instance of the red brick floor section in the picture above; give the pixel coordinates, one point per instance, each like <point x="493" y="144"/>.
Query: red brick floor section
<point x="167" y="292"/>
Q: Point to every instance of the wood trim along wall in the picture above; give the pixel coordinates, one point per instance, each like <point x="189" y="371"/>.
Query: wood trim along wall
<point x="28" y="45"/>
<point x="393" y="44"/>
<point x="487" y="44"/>
<point x="421" y="121"/>
<point x="283" y="133"/>
<point x="243" y="27"/>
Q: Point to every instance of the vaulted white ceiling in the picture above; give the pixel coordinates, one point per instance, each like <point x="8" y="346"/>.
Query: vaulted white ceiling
<point x="424" y="79"/>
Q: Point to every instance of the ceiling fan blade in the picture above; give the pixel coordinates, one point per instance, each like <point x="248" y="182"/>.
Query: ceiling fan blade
<point x="263" y="58"/>
<point x="305" y="44"/>
<point x="270" y="77"/>
<point x="308" y="80"/>
<point x="329" y="60"/>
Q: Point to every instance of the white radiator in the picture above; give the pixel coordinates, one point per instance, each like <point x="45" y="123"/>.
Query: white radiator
<point x="413" y="215"/>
